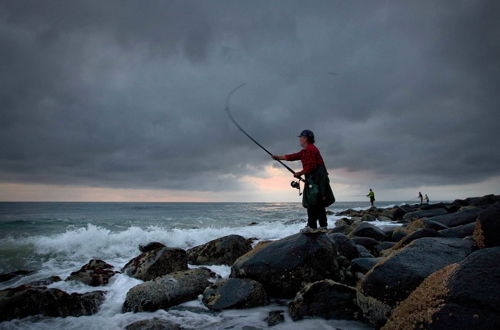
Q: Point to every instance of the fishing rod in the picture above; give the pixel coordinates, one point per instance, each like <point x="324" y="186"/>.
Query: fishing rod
<point x="293" y="184"/>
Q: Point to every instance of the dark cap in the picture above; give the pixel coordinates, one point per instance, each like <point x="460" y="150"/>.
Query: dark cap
<point x="307" y="133"/>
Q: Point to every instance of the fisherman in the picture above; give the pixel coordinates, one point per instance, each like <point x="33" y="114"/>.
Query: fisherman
<point x="421" y="198"/>
<point x="426" y="198"/>
<point x="371" y="194"/>
<point x="317" y="191"/>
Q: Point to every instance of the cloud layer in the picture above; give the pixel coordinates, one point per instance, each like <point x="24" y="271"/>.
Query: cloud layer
<point x="130" y="94"/>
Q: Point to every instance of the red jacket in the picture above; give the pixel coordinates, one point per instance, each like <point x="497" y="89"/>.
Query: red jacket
<point x="310" y="157"/>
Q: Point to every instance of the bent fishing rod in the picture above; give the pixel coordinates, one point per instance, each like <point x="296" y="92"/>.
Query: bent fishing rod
<point x="294" y="184"/>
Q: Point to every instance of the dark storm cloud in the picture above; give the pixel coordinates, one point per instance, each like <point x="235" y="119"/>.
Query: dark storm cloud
<point x="130" y="93"/>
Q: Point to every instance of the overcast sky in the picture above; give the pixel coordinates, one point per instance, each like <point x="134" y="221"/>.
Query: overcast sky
<point x="123" y="100"/>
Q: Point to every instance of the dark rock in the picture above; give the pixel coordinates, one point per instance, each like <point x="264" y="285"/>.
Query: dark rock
<point x="326" y="299"/>
<point x="282" y="266"/>
<point x="384" y="246"/>
<point x="433" y="206"/>
<point x="344" y="245"/>
<point x="459" y="296"/>
<point x="235" y="293"/>
<point x="369" y="230"/>
<point x="484" y="201"/>
<point x="363" y="252"/>
<point x="274" y="317"/>
<point x="155" y="263"/>
<point x="166" y="291"/>
<point x="153" y="324"/>
<point x="487" y="228"/>
<point x="8" y="276"/>
<point x="394" y="278"/>
<point x="221" y="251"/>
<point x="368" y="217"/>
<point x="340" y="229"/>
<point x="24" y="301"/>
<point x="94" y="273"/>
<point x="458" y="218"/>
<point x="367" y="242"/>
<point x="363" y="265"/>
<point x="416" y="235"/>
<point x="459" y="231"/>
<point x="151" y="246"/>
<point x="395" y="213"/>
<point x="432" y="224"/>
<point x="45" y="281"/>
<point x="398" y="235"/>
<point x="424" y="214"/>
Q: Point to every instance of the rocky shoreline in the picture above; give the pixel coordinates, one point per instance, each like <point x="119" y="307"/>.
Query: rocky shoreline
<point x="438" y="270"/>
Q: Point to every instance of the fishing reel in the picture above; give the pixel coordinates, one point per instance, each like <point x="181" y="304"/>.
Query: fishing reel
<point x="296" y="185"/>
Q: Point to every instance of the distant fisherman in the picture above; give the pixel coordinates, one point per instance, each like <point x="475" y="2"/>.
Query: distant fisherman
<point x="421" y="198"/>
<point x="317" y="191"/>
<point x="426" y="198"/>
<point x="371" y="194"/>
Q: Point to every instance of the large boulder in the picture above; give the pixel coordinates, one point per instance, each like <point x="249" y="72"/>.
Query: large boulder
<point x="424" y="214"/>
<point x="235" y="293"/>
<point x="8" y="276"/>
<point x="221" y="251"/>
<point x="483" y="201"/>
<point x="94" y="273"/>
<point x="487" y="228"/>
<point x="368" y="230"/>
<point x="283" y="266"/>
<point x="426" y="232"/>
<point x="326" y="299"/>
<point x="459" y="231"/>
<point x="459" y="296"/>
<point x="344" y="245"/>
<point x="363" y="265"/>
<point x="151" y="246"/>
<point x="155" y="263"/>
<point x="153" y="324"/>
<point x="461" y="217"/>
<point x="167" y="291"/>
<point x="24" y="301"/>
<point x="394" y="278"/>
<point x="395" y="213"/>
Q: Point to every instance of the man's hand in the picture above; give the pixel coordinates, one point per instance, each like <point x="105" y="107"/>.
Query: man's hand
<point x="297" y="174"/>
<point x="276" y="157"/>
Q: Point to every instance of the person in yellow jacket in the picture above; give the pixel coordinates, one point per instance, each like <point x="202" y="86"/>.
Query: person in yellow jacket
<point x="371" y="194"/>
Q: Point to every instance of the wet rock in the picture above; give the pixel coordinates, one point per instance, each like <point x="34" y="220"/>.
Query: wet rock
<point x="326" y="299"/>
<point x="283" y="265"/>
<point x="395" y="213"/>
<point x="344" y="245"/>
<point x="363" y="265"/>
<point x="458" y="218"/>
<point x="483" y="201"/>
<point x="487" y="228"/>
<point x="424" y="214"/>
<point x="363" y="252"/>
<point x="374" y="311"/>
<point x="221" y="251"/>
<point x="153" y="324"/>
<point x="367" y="242"/>
<point x="151" y="246"/>
<point x="235" y="293"/>
<point x="459" y="231"/>
<point x="369" y="230"/>
<point x="8" y="276"/>
<point x="24" y="301"/>
<point x="155" y="263"/>
<point x="94" y="273"/>
<point x="274" y="317"/>
<point x="368" y="217"/>
<point x="398" y="235"/>
<point x="166" y="291"/>
<point x="45" y="281"/>
<point x="416" y="235"/>
<point x="455" y="297"/>
<point x="432" y="224"/>
<point x="394" y="278"/>
<point x="384" y="246"/>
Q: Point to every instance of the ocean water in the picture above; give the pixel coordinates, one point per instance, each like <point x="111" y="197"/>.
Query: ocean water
<point x="58" y="238"/>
